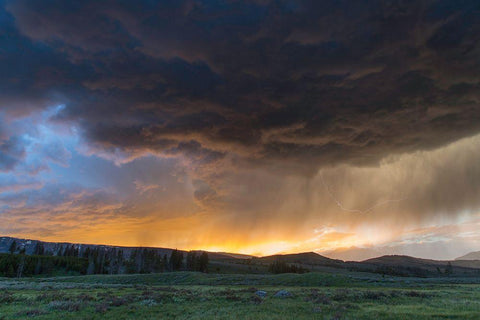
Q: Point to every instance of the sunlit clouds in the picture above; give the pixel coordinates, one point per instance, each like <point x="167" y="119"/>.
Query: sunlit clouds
<point x="414" y="200"/>
<point x="255" y="127"/>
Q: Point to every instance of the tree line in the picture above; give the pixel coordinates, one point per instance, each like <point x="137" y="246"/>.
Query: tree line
<point x="280" y="266"/>
<point x="97" y="260"/>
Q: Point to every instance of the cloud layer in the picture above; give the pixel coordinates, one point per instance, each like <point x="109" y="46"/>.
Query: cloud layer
<point x="272" y="117"/>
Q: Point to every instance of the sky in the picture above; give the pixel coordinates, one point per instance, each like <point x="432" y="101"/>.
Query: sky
<point x="348" y="128"/>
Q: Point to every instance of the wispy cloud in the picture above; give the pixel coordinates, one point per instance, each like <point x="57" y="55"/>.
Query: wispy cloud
<point x="143" y="187"/>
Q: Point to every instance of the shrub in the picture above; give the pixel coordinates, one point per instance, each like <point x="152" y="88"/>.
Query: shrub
<point x="416" y="294"/>
<point x="374" y="295"/>
<point x="32" y="313"/>
<point x="318" y="297"/>
<point x="101" y="308"/>
<point x="6" y="297"/>
<point x="256" y="299"/>
<point x="341" y="295"/>
<point x="118" y="301"/>
<point x="148" y="302"/>
<point x="64" y="305"/>
<point x="47" y="297"/>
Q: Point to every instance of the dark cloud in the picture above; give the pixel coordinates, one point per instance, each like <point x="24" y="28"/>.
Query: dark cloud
<point x="287" y="85"/>
<point x="35" y="75"/>
<point x="12" y="153"/>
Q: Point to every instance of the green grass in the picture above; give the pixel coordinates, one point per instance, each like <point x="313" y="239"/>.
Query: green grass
<point x="188" y="295"/>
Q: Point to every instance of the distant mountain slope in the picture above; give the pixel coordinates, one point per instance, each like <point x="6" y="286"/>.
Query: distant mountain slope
<point x="467" y="263"/>
<point x="440" y="250"/>
<point x="470" y="256"/>
<point x="230" y="255"/>
<point x="57" y="248"/>
<point x="404" y="261"/>
<point x="397" y="265"/>
<point x="308" y="258"/>
<point x="427" y="265"/>
<point x="408" y="261"/>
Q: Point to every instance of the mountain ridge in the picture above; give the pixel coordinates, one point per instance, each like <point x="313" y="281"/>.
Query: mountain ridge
<point x="474" y="255"/>
<point x="397" y="265"/>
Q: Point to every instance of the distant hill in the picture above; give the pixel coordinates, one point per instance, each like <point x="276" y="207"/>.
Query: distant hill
<point x="222" y="262"/>
<point x="58" y="248"/>
<point x="308" y="258"/>
<point x="33" y="257"/>
<point x="403" y="260"/>
<point x="470" y="256"/>
<point x="233" y="255"/>
<point x="426" y="267"/>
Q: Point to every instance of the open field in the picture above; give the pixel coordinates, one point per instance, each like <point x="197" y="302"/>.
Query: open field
<point x="189" y="295"/>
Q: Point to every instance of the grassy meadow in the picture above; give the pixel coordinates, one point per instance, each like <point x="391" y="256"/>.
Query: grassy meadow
<point x="193" y="295"/>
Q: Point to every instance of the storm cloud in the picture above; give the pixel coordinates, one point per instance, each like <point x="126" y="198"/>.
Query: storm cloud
<point x="272" y="109"/>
